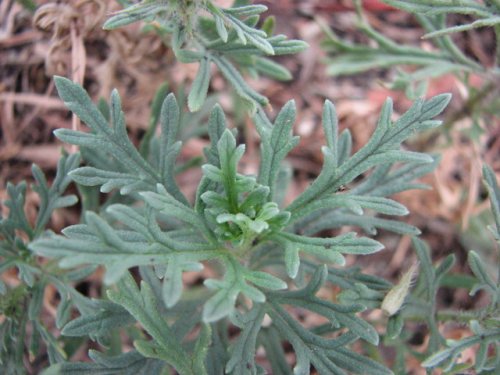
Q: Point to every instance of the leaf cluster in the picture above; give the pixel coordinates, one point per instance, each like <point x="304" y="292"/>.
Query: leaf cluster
<point x="21" y="304"/>
<point x="421" y="305"/>
<point x="484" y="324"/>
<point x="445" y="57"/>
<point x="415" y="66"/>
<point x="203" y="32"/>
<point x="267" y="262"/>
<point x="235" y="225"/>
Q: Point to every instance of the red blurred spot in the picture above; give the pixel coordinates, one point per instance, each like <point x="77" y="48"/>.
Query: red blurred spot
<point x="342" y="6"/>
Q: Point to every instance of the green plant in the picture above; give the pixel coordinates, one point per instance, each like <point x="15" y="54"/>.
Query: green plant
<point x="267" y="261"/>
<point x="21" y="304"/>
<point x="421" y="305"/>
<point x="416" y="66"/>
<point x="484" y="323"/>
<point x="228" y="38"/>
<point x="236" y="223"/>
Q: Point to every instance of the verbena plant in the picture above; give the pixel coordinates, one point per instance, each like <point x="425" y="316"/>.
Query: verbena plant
<point x="267" y="260"/>
<point x="416" y="66"/>
<point x="421" y="305"/>
<point x="235" y="222"/>
<point x="228" y="39"/>
<point x="485" y="322"/>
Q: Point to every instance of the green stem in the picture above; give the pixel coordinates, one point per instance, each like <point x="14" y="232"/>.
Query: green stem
<point x="446" y="316"/>
<point x="446" y="43"/>
<point x="246" y="246"/>
<point x="457" y="316"/>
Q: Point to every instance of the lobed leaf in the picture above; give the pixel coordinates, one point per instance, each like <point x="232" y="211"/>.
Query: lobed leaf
<point x="222" y="303"/>
<point x="242" y="360"/>
<point x="485" y="281"/>
<point x="143" y="306"/>
<point x="199" y="89"/>
<point x="98" y="243"/>
<point x="327" y="355"/>
<point x="106" y="317"/>
<point x="130" y="363"/>
<point x="276" y="143"/>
